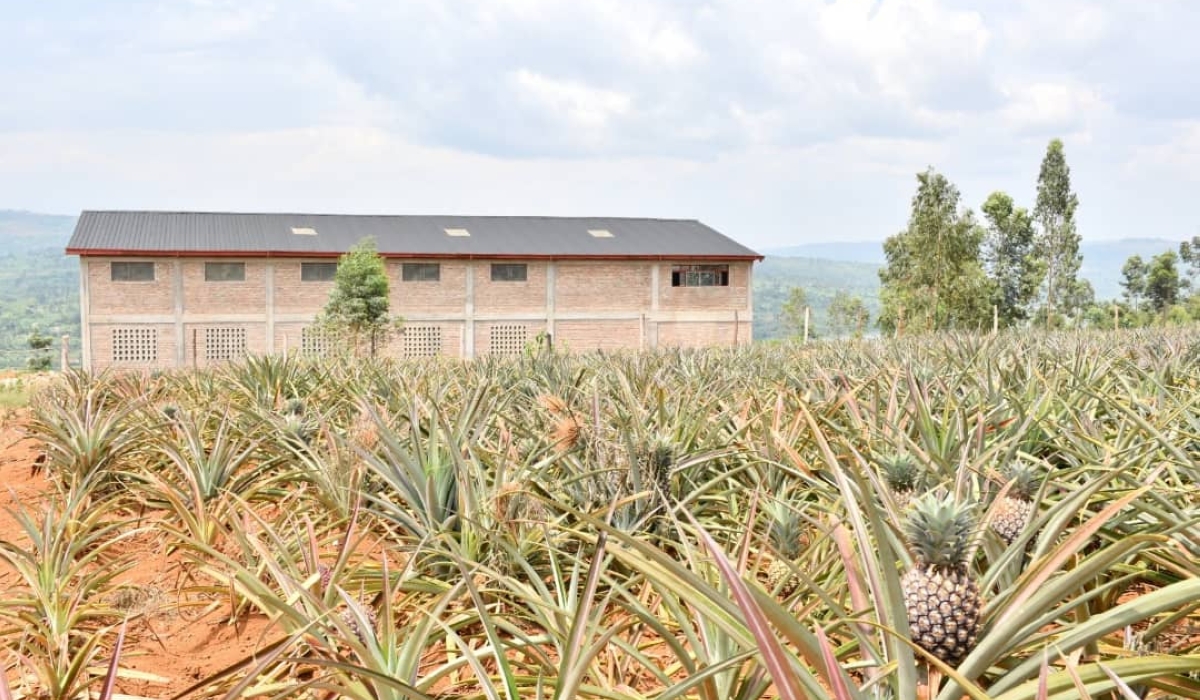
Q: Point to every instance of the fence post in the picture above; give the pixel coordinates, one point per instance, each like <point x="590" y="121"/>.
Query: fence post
<point x="64" y="359"/>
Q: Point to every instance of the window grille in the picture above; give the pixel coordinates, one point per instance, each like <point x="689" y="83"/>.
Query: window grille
<point x="700" y="276"/>
<point x="315" y="341"/>
<point x="135" y="345"/>
<point x="422" y="341"/>
<point x="224" y="272"/>
<point x="317" y="271"/>
<point x="224" y="343"/>
<point x="421" y="272"/>
<point x="508" y="339"/>
<point x="509" y="272"/>
<point x="132" y="272"/>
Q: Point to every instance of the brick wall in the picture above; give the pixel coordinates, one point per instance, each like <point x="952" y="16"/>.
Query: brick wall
<point x="678" y="334"/>
<point x="485" y="330"/>
<point x="735" y="296"/>
<point x="493" y="297"/>
<point x="618" y="294"/>
<point x="198" y="343"/>
<point x="602" y="286"/>
<point x="130" y="340"/>
<point x="587" y="336"/>
<point x="293" y="295"/>
<point x="447" y="295"/>
<point x="108" y="297"/>
<point x="249" y="296"/>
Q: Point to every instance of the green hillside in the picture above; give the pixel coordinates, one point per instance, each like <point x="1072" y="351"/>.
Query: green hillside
<point x="821" y="279"/>
<point x="39" y="285"/>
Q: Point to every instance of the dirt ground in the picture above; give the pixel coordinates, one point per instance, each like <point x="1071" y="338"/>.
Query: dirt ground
<point x="173" y="642"/>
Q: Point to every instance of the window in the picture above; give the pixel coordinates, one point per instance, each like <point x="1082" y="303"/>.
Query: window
<point x="317" y="272"/>
<point x="700" y="276"/>
<point x="134" y="345"/>
<point x="509" y="272"/>
<point x="132" y="272"/>
<point x="224" y="272"/>
<point x="315" y="341"/>
<point x="224" y="343"/>
<point x="508" y="339"/>
<point x="422" y="341"/>
<point x="421" y="272"/>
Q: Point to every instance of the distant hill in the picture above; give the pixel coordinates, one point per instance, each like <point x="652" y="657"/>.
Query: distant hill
<point x="821" y="279"/>
<point x="39" y="285"/>
<point x="1102" y="260"/>
<point x="22" y="231"/>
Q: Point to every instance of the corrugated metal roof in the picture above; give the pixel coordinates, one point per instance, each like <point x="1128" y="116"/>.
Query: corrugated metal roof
<point x="204" y="233"/>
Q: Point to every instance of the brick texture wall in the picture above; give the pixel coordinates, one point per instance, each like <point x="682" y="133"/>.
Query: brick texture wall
<point x="700" y="334"/>
<point x="104" y="335"/>
<point x="587" y="336"/>
<point x="735" y="296"/>
<point x="618" y="293"/>
<point x="108" y="297"/>
<point x="447" y="295"/>
<point x="493" y="297"/>
<point x="249" y="296"/>
<point x="602" y="286"/>
<point x="293" y="295"/>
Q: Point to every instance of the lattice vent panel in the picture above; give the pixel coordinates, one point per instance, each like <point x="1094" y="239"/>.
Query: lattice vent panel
<point x="422" y="341"/>
<point x="508" y="339"/>
<point x="135" y="345"/>
<point x="224" y="343"/>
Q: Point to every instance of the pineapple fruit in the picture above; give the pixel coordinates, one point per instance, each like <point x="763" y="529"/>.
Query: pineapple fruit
<point x="786" y="533"/>
<point x="1011" y="513"/>
<point x="903" y="477"/>
<point x="941" y="597"/>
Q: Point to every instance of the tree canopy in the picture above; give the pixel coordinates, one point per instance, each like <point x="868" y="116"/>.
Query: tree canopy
<point x="933" y="279"/>
<point x="1057" y="243"/>
<point x="358" y="303"/>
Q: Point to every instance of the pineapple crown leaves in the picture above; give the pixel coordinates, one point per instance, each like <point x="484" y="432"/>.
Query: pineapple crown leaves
<point x="786" y="527"/>
<point x="1024" y="477"/>
<point x="901" y="471"/>
<point x="941" y="531"/>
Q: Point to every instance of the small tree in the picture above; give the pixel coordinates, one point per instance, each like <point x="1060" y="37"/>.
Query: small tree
<point x="358" y="303"/>
<point x="791" y="313"/>
<point x="1162" y="281"/>
<point x="39" y="346"/>
<point x="848" y="314"/>
<point x="1133" y="279"/>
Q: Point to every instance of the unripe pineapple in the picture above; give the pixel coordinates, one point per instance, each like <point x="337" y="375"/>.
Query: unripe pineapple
<point x="787" y="538"/>
<point x="941" y="597"/>
<point x="903" y="476"/>
<point x="1012" y="512"/>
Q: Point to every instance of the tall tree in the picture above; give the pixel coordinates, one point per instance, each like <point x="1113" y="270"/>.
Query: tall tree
<point x="848" y="314"/>
<point x="1189" y="253"/>
<point x="1008" y="257"/>
<point x="1057" y="244"/>
<point x="1163" y="283"/>
<point x="791" y="312"/>
<point x="933" y="278"/>
<point x="358" y="302"/>
<point x="1133" y="280"/>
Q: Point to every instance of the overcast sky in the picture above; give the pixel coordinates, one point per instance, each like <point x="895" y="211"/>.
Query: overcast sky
<point x="778" y="122"/>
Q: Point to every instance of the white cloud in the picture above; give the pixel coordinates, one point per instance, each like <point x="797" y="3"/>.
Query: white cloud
<point x="583" y="106"/>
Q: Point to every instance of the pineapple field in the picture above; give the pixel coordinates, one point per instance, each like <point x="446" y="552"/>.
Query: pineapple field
<point x="990" y="517"/>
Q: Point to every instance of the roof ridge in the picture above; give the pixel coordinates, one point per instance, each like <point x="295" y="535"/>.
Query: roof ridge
<point x="200" y="212"/>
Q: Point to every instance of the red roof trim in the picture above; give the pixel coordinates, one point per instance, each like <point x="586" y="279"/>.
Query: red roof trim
<point x="392" y="256"/>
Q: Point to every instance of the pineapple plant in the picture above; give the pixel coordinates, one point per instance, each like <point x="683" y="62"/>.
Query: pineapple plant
<point x="1011" y="513"/>
<point x="786" y="533"/>
<point x="903" y="477"/>
<point x="940" y="595"/>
